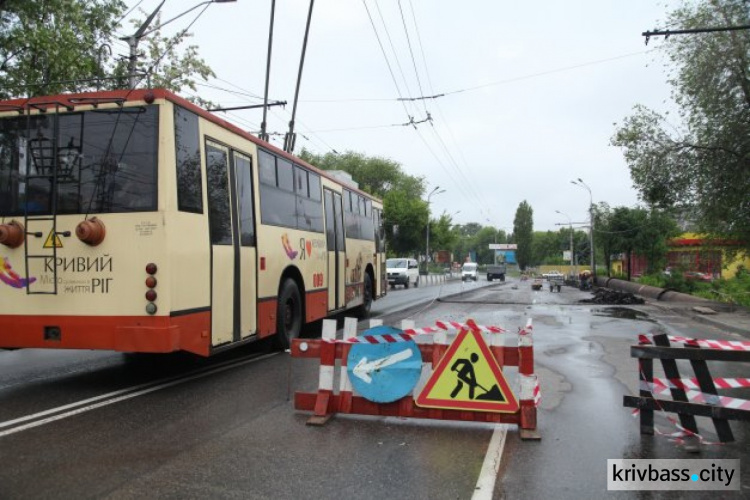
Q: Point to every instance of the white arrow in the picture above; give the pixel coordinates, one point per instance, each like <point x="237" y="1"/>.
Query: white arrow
<point x="365" y="368"/>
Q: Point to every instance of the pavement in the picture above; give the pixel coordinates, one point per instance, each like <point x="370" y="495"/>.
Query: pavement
<point x="728" y="317"/>
<point x="736" y="321"/>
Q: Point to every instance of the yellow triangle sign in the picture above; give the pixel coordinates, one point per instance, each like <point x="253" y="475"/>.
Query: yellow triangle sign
<point x="468" y="378"/>
<point x="53" y="240"/>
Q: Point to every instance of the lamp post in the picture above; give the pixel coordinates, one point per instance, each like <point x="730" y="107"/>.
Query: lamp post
<point x="580" y="182"/>
<point x="572" y="253"/>
<point x="437" y="190"/>
<point x="136" y="37"/>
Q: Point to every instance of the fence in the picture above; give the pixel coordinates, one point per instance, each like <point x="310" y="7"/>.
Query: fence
<point x="691" y="397"/>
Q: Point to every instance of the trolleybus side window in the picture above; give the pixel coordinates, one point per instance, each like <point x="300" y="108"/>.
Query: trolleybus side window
<point x="309" y="206"/>
<point x="219" y="216"/>
<point x="290" y="195"/>
<point x="243" y="168"/>
<point x="358" y="215"/>
<point x="277" y="203"/>
<point x="187" y="152"/>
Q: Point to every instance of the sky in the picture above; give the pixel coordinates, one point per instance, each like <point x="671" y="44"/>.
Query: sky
<point x="529" y="92"/>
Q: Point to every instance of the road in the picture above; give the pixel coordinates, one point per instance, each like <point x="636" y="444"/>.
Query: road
<point x="85" y="424"/>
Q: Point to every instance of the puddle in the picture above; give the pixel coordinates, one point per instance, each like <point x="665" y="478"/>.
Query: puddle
<point x="622" y="313"/>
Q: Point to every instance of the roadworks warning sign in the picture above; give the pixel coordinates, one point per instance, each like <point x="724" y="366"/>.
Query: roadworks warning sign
<point x="468" y="378"/>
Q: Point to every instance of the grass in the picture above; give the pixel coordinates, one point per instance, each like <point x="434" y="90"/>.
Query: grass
<point x="735" y="290"/>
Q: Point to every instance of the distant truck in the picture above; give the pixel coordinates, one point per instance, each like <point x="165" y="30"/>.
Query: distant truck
<point x="496" y="270"/>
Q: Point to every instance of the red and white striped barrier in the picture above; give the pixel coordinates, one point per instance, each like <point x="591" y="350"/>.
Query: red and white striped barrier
<point x="408" y="333"/>
<point x="661" y="388"/>
<point x="326" y="402"/>
<point x="727" y="345"/>
<point x="692" y="383"/>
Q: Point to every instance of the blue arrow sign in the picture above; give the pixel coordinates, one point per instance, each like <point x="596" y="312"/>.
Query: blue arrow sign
<point x="386" y="371"/>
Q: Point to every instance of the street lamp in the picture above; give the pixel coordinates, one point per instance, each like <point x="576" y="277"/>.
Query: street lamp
<point x="136" y="37"/>
<point x="591" y="223"/>
<point x="572" y="253"/>
<point x="437" y="190"/>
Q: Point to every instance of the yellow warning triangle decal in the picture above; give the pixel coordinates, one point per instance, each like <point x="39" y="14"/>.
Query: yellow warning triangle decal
<point x="53" y="240"/>
<point x="468" y="378"/>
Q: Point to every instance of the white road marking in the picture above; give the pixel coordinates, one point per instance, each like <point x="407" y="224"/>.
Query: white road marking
<point x="115" y="397"/>
<point x="486" y="481"/>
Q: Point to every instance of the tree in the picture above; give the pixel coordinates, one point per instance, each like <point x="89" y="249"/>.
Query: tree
<point x="523" y="231"/>
<point x="704" y="163"/>
<point x="374" y="174"/>
<point x="405" y="213"/>
<point x="441" y="235"/>
<point x="59" y="46"/>
<point x="634" y="231"/>
<point x="162" y="65"/>
<point x="49" y="47"/>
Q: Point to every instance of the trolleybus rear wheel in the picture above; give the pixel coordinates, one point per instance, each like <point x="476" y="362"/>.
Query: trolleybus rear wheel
<point x="289" y="316"/>
<point x="364" y="310"/>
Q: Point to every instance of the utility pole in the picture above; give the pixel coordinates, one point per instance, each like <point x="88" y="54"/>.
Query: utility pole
<point x="136" y="37"/>
<point x="133" y="44"/>
<point x="427" y="244"/>
<point x="591" y="223"/>
<point x="573" y="261"/>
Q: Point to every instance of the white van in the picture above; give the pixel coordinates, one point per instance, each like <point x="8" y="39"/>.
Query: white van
<point x="469" y="271"/>
<point x="402" y="272"/>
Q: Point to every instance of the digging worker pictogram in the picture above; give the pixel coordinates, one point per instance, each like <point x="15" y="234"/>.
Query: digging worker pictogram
<point x="466" y="375"/>
<point x="465" y="369"/>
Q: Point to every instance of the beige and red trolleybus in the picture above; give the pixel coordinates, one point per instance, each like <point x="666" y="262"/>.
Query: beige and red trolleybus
<point x="138" y="222"/>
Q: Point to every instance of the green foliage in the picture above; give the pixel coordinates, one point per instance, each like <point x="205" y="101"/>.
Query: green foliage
<point x="702" y="164"/>
<point x="47" y="47"/>
<point x="374" y="174"/>
<point x="634" y="231"/>
<point x="59" y="46"/>
<point x="735" y="290"/>
<point x="523" y="233"/>
<point x="405" y="212"/>
<point x="163" y="65"/>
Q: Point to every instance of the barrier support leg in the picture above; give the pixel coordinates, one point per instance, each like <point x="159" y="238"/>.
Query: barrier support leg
<point x="321" y="414"/>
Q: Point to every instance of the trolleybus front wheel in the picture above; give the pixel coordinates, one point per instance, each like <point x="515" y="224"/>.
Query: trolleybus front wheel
<point x="289" y="316"/>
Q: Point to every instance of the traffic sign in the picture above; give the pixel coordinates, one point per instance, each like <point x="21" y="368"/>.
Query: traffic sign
<point x="387" y="370"/>
<point x="468" y="378"/>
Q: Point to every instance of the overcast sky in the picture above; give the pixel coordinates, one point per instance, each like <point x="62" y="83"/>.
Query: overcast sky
<point x="532" y="90"/>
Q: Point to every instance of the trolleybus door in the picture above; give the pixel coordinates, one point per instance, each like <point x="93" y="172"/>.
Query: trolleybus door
<point x="232" y="231"/>
<point x="336" y="250"/>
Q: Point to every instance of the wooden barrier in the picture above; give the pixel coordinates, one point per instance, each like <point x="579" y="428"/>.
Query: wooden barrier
<point x="326" y="402"/>
<point x="720" y="409"/>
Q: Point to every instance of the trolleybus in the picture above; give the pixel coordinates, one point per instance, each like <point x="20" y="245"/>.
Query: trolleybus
<point x="136" y="221"/>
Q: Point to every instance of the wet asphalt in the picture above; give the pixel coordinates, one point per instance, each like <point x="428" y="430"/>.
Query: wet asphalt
<point x="235" y="434"/>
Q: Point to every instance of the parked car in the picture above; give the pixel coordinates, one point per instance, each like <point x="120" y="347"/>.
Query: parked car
<point x="469" y="271"/>
<point x="537" y="284"/>
<point x="402" y="271"/>
<point x="698" y="276"/>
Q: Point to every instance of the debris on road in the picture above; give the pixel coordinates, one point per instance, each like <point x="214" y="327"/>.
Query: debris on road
<point x="607" y="296"/>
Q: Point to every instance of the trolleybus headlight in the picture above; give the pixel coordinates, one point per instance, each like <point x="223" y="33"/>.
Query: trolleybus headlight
<point x="151" y="268"/>
<point x="12" y="234"/>
<point x="151" y="295"/>
<point x="151" y="282"/>
<point x="91" y="231"/>
<point x="151" y="308"/>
